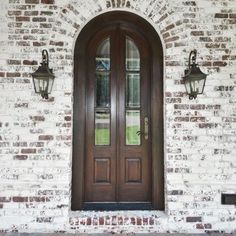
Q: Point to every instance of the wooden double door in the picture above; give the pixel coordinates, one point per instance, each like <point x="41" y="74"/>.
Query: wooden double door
<point x="117" y="128"/>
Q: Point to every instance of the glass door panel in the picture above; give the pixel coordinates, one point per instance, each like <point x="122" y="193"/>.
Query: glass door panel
<point x="102" y="127"/>
<point x="102" y="95"/>
<point x="133" y="127"/>
<point x="133" y="90"/>
<point x="132" y="56"/>
<point x="132" y="94"/>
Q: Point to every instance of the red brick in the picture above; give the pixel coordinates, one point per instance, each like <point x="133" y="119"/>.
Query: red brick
<point x="20" y="199"/>
<point x="22" y="18"/>
<point x="37" y="118"/>
<point x="219" y="63"/>
<point x="13" y="74"/>
<point x="45" y="137"/>
<point x="197" y="33"/>
<point x="5" y="199"/>
<point x="37" y="199"/>
<point x="47" y="1"/>
<point x="28" y="150"/>
<point x="39" y="44"/>
<point x="139" y="221"/>
<point x="172" y="39"/>
<point x="199" y="226"/>
<point x="169" y="27"/>
<point x="27" y="62"/>
<point x="221" y="15"/>
<point x="67" y="118"/>
<point x="57" y="43"/>
<point x="101" y="221"/>
<point x="89" y="221"/>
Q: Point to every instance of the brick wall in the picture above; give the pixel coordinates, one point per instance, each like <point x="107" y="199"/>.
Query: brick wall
<point x="36" y="135"/>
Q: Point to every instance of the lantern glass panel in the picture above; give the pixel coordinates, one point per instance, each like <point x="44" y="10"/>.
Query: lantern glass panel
<point x="188" y="86"/>
<point x="36" y="85"/>
<point x="50" y="84"/>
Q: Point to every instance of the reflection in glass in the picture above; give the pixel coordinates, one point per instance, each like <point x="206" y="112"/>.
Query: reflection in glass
<point x="132" y="90"/>
<point x="103" y="56"/>
<point x="132" y="127"/>
<point x="102" y="127"/>
<point x="132" y="56"/>
<point x="102" y="89"/>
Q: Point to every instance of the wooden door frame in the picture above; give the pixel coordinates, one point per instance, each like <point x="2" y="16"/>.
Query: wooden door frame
<point x="79" y="105"/>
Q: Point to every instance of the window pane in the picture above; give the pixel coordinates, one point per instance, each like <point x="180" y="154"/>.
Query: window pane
<point x="132" y="90"/>
<point x="133" y="127"/>
<point x="132" y="56"/>
<point x="103" y="56"/>
<point x="102" y="127"/>
<point x="102" y="89"/>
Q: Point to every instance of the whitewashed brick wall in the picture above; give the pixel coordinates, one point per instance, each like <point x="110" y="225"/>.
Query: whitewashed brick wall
<point x="36" y="135"/>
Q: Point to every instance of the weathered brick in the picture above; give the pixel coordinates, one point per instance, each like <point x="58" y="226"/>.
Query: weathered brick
<point x="5" y="199"/>
<point x="37" y="118"/>
<point x="31" y="1"/>
<point x="22" y="18"/>
<point x="45" y="137"/>
<point x="193" y="219"/>
<point x="20" y="157"/>
<point x="13" y="74"/>
<point x="28" y="150"/>
<point x="39" y="19"/>
<point x="20" y="199"/>
<point x="47" y="1"/>
<point x="221" y="15"/>
<point x="27" y="62"/>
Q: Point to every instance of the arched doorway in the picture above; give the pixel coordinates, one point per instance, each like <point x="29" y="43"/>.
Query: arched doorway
<point x="118" y="115"/>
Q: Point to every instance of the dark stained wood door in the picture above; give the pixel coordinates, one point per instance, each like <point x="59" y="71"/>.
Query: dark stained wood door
<point x="118" y="138"/>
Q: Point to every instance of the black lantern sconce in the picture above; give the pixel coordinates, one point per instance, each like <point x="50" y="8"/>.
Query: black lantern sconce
<point x="194" y="78"/>
<point x="43" y="77"/>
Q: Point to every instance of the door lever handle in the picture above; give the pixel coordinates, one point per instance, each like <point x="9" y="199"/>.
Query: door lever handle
<point x="138" y="132"/>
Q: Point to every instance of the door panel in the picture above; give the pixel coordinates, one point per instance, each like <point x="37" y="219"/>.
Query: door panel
<point x="118" y="157"/>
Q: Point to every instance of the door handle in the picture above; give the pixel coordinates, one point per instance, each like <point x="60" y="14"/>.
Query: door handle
<point x="146" y="129"/>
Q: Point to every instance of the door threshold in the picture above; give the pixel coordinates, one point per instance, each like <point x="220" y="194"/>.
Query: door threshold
<point x="117" y="206"/>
